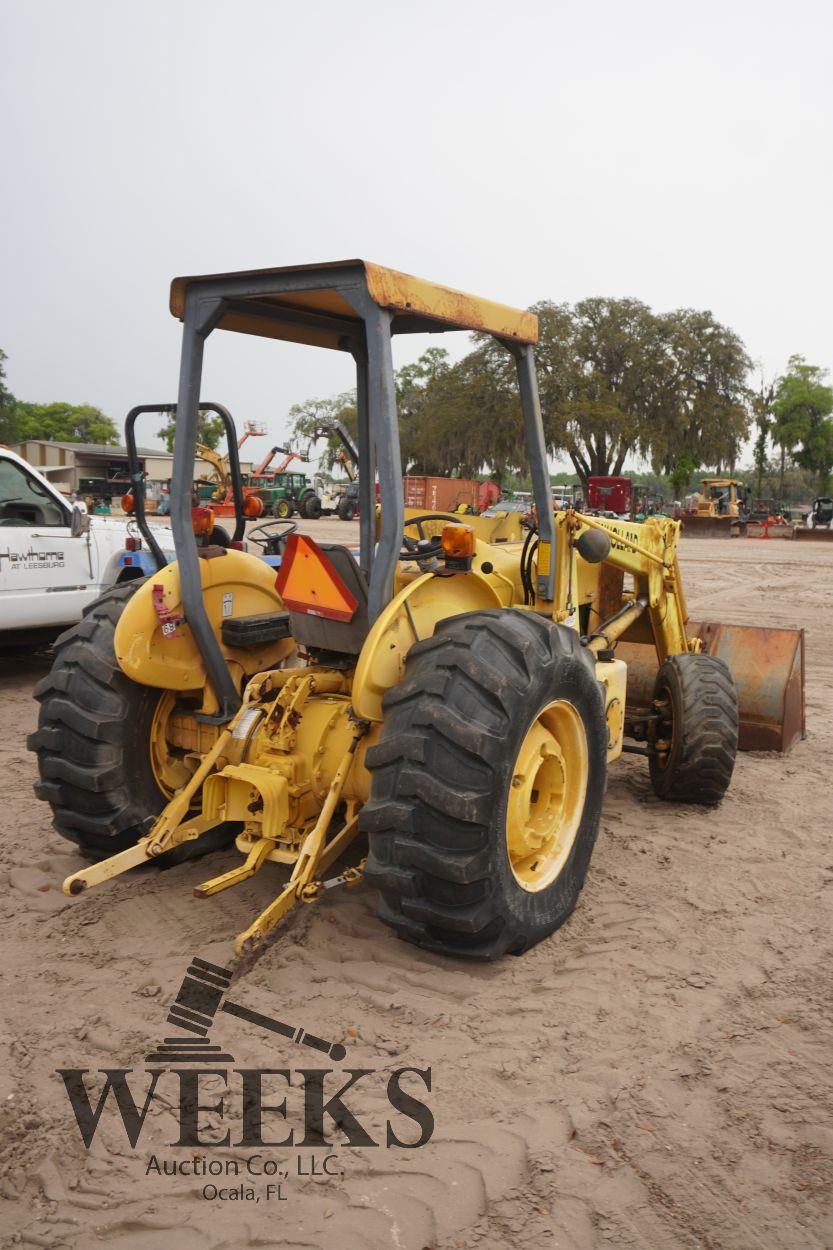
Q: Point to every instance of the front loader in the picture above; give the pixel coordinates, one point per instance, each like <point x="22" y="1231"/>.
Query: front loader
<point x="454" y="694"/>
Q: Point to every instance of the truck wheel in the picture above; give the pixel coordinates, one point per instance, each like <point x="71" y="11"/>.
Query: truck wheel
<point x="486" y="785"/>
<point x="346" y="509"/>
<point x="101" y="767"/>
<point x="312" y="507"/>
<point x="698" y="727"/>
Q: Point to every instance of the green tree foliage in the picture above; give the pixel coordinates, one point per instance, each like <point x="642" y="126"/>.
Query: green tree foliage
<point x="64" y="423"/>
<point x="802" y="426"/>
<point x="762" y="410"/>
<point x="685" y="464"/>
<point x="616" y="380"/>
<point x="816" y="452"/>
<point x="8" y="415"/>
<point x="315" y="416"/>
<point x="597" y="376"/>
<point x="700" y="409"/>
<point x="464" y="417"/>
<point x="57" y="422"/>
<point x="210" y="430"/>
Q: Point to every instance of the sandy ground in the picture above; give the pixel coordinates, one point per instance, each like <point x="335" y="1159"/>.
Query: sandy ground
<point x="657" y="1074"/>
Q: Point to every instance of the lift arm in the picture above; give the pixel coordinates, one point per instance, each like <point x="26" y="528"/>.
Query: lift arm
<point x="648" y="551"/>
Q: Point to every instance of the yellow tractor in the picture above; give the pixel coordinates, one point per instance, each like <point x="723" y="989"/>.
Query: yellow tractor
<point x="720" y="509"/>
<point x="452" y="692"/>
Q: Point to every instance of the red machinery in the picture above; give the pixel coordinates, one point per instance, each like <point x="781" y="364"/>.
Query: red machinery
<point x="610" y="494"/>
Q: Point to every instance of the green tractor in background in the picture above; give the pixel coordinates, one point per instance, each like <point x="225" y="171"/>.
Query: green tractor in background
<point x="286" y="493"/>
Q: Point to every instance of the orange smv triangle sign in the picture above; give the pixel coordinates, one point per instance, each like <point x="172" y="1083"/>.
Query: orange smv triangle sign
<point x="307" y="582"/>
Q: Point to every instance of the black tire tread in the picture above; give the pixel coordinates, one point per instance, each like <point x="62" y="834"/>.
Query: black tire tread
<point x="84" y="715"/>
<point x="429" y="832"/>
<point x="709" y="732"/>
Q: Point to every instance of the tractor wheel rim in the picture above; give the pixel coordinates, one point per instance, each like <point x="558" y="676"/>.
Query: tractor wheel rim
<point x="665" y="733"/>
<point x="546" y="796"/>
<point x="169" y="767"/>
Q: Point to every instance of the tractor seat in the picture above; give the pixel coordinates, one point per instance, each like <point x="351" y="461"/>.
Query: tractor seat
<point x="314" y="632"/>
<point x="344" y="637"/>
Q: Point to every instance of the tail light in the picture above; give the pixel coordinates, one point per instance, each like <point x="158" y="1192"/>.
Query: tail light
<point x="202" y="521"/>
<point x="133" y="544"/>
<point x="253" y="506"/>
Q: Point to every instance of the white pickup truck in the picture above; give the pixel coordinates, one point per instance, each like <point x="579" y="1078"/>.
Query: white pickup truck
<point x="52" y="563"/>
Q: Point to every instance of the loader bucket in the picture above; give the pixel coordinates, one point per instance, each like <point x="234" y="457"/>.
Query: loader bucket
<point x="768" y="670"/>
<point x="813" y="536"/>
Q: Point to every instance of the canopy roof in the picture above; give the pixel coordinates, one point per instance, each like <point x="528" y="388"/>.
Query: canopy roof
<point x="307" y="304"/>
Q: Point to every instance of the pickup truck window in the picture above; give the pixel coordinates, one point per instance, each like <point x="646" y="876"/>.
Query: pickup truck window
<point x="23" y="501"/>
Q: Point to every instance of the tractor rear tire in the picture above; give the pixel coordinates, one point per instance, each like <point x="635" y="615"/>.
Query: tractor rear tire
<point x="93" y="741"/>
<point x="701" y="718"/>
<point x="443" y="781"/>
<point x="311" y="507"/>
<point x="346" y="509"/>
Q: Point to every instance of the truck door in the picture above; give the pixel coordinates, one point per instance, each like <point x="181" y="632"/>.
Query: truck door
<point x="45" y="574"/>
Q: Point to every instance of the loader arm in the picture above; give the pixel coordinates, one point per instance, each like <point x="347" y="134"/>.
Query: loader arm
<point x="648" y="552"/>
<point x="651" y="623"/>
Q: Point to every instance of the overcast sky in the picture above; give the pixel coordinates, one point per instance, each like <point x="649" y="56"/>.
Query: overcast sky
<point x="677" y="153"/>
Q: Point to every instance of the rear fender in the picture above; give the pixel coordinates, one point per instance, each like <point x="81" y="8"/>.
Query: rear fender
<point x="234" y="584"/>
<point x="411" y="616"/>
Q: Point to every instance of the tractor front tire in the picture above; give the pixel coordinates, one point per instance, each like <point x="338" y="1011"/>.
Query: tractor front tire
<point x="480" y="825"/>
<point x="93" y="742"/>
<point x="282" y="509"/>
<point x="698" y="707"/>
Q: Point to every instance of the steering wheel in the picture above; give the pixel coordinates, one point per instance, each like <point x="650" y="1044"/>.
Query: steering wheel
<point x="269" y="533"/>
<point x="427" y="545"/>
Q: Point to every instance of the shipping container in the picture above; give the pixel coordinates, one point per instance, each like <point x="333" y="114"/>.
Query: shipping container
<point x="440" y="494"/>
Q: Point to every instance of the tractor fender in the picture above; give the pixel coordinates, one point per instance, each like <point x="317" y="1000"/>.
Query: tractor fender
<point x="410" y="617"/>
<point x="153" y="643"/>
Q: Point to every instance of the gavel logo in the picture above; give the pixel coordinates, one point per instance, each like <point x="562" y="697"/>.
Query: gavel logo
<point x="201" y="996"/>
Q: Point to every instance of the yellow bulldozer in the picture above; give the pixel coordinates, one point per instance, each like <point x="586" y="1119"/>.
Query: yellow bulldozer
<point x="435" y="712"/>
<point x="719" y="510"/>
